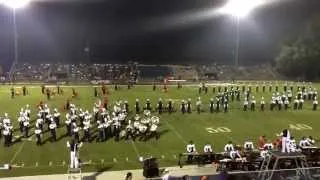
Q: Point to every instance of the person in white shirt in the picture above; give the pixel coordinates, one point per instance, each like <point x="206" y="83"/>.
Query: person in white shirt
<point x="228" y="147"/>
<point x="268" y="146"/>
<point x="74" y="153"/>
<point x="315" y="103"/>
<point x="191" y="148"/>
<point x="248" y="146"/>
<point x="153" y="130"/>
<point x="234" y="154"/>
<point x="262" y="103"/>
<point x="207" y="148"/>
<point x="304" y="143"/>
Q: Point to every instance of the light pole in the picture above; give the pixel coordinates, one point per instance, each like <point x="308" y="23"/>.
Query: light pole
<point x="14" y="5"/>
<point x="239" y="9"/>
<point x="236" y="54"/>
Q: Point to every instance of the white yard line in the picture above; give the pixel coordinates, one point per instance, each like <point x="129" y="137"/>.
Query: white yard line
<point x="176" y="132"/>
<point x="135" y="148"/>
<point x="17" y="152"/>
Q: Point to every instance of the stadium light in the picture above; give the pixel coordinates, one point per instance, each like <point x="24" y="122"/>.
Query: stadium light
<point x="15" y="4"/>
<point x="240" y="8"/>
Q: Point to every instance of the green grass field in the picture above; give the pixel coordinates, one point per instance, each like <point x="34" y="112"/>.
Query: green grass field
<point x="176" y="130"/>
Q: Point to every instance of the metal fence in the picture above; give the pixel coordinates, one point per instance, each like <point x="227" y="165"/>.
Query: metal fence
<point x="283" y="174"/>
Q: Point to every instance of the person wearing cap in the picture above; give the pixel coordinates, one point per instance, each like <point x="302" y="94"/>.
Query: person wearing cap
<point x="183" y="107"/>
<point x="160" y="106"/>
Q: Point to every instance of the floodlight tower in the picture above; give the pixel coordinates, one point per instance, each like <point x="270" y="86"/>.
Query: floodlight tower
<point x="239" y="9"/>
<point x="14" y="5"/>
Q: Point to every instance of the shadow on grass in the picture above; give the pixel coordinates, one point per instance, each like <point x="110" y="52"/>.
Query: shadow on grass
<point x="100" y="169"/>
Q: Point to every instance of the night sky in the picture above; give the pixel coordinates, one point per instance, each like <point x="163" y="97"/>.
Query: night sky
<point x="149" y="31"/>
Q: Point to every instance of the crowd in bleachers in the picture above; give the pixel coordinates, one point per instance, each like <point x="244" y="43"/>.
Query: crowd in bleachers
<point x="228" y="72"/>
<point x="75" y="72"/>
<point x="132" y="71"/>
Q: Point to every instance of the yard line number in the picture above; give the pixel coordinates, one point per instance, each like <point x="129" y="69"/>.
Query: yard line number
<point x="300" y="127"/>
<point x="213" y="130"/>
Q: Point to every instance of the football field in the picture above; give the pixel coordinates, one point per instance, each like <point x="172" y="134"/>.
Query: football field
<point x="176" y="129"/>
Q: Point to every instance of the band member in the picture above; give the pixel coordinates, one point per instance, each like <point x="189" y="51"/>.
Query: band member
<point x="304" y="143"/>
<point x="295" y="103"/>
<point x="104" y="89"/>
<point x="211" y="105"/>
<point x="245" y="104"/>
<point x="228" y="147"/>
<point x="262" y="103"/>
<point x="148" y="105"/>
<point x="207" y="148"/>
<point x="170" y="106"/>
<point x="189" y="106"/>
<point x="130" y="132"/>
<point x="38" y="131"/>
<point x="48" y="93"/>
<point x="218" y="104"/>
<point x="153" y="131"/>
<point x="75" y="132"/>
<point x="248" y="146"/>
<point x="285" y="139"/>
<point x="234" y="154"/>
<point x="26" y="126"/>
<point x="137" y="106"/>
<point x="154" y="86"/>
<point x="183" y="107"/>
<point x="225" y="106"/>
<point x="160" y="106"/>
<point x="290" y="96"/>
<point x="100" y="137"/>
<point x="198" y="104"/>
<point x="53" y="133"/>
<point x="74" y="153"/>
<point x="43" y="88"/>
<point x="95" y="92"/>
<point x="200" y="88"/>
<point x="253" y="104"/>
<point x="315" y="104"/>
<point x="300" y="105"/>
<point x="86" y="130"/>
<point x="12" y="92"/>
<point x="24" y="90"/>
<point x="68" y="124"/>
<point x="59" y="90"/>
<point x="191" y="148"/>
<point x="56" y="117"/>
<point x="286" y="103"/>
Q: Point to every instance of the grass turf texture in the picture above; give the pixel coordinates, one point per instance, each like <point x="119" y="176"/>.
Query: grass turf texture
<point x="176" y="129"/>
